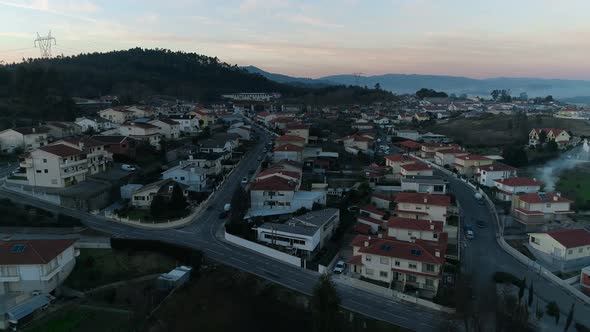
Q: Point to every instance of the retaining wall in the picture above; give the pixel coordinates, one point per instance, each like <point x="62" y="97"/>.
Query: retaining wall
<point x="263" y="249"/>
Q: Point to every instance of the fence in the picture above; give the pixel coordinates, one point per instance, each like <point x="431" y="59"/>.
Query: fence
<point x="42" y="196"/>
<point x="390" y="293"/>
<point x="263" y="249"/>
<point x="326" y="269"/>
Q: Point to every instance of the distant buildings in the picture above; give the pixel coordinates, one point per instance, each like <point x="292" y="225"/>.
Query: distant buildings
<point x="559" y="136"/>
<point x="25" y="138"/>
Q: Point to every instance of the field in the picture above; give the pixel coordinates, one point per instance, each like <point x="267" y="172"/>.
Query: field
<point x="95" y="267"/>
<point x="15" y="215"/>
<point x="497" y="130"/>
<point x="78" y="319"/>
<point x="575" y="184"/>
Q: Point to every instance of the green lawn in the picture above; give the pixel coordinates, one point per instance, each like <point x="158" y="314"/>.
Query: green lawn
<point x="96" y="267"/>
<point x="82" y="320"/>
<point x="575" y="184"/>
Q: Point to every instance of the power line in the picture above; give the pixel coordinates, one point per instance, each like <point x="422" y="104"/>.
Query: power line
<point x="45" y="44"/>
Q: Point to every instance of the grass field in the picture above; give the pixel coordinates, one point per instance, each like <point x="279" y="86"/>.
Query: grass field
<point x="82" y="320"/>
<point x="575" y="184"/>
<point x="495" y="130"/>
<point x="96" y="267"/>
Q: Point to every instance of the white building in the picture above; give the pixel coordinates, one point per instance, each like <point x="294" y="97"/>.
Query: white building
<point x="422" y="206"/>
<point x="57" y="166"/>
<point x="189" y="125"/>
<point x="488" y="174"/>
<point x="169" y="129"/>
<point x="424" y="184"/>
<point x="26" y="138"/>
<point x="29" y="271"/>
<point x="564" y="247"/>
<point x="505" y="188"/>
<point x="96" y="124"/>
<point x="306" y="233"/>
<point x="193" y="177"/>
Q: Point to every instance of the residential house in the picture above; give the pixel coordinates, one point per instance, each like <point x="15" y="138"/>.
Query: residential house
<point x="29" y="271"/>
<point x="243" y="131"/>
<point x="60" y="129"/>
<point x="26" y="138"/>
<point x="195" y="178"/>
<point x="410" y="147"/>
<point x="536" y="209"/>
<point x="97" y="124"/>
<point x="506" y="188"/>
<point x="307" y="233"/>
<point x="204" y="117"/>
<point x="559" y="136"/>
<point x="467" y="164"/>
<point x="96" y="153"/>
<point x="408" y="230"/>
<point x="429" y="150"/>
<point x="265" y="117"/>
<point x="564" y="248"/>
<point x="278" y="195"/>
<point x="362" y="124"/>
<point x="382" y="201"/>
<point x="189" y="125"/>
<point x="447" y="156"/>
<point x="142" y="131"/>
<point x="169" y="129"/>
<point x="219" y="143"/>
<point x="298" y="129"/>
<point x="56" y="166"/>
<point x="424" y="184"/>
<point x="210" y="162"/>
<point x="371" y="216"/>
<point x="396" y="161"/>
<point x="287" y="152"/>
<point x="144" y="196"/>
<point x="118" y="145"/>
<point x="488" y="174"/>
<point x="118" y="115"/>
<point x="357" y="143"/>
<point x="411" y="135"/>
<point x="416" y="169"/>
<point x="422" y="206"/>
<point x="290" y="140"/>
<point x="402" y="265"/>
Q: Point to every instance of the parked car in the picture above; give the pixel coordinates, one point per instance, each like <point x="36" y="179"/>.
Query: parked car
<point x="469" y="234"/>
<point x="244" y="180"/>
<point x="339" y="267"/>
<point x="127" y="167"/>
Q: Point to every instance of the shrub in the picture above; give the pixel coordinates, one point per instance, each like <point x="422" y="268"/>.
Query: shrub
<point x="507" y="278"/>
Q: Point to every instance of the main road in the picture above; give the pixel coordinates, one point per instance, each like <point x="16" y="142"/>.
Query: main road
<point x="205" y="233"/>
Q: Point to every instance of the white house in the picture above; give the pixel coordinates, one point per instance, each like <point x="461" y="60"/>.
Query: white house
<point x="57" y="166"/>
<point x="371" y="216"/>
<point x="117" y="115"/>
<point x="169" y="129"/>
<point x="408" y="230"/>
<point x="189" y="125"/>
<point x="537" y="209"/>
<point x="506" y="188"/>
<point x="447" y="156"/>
<point x="27" y="138"/>
<point x="29" y="271"/>
<point x="416" y="169"/>
<point x="193" y="177"/>
<point x="142" y="131"/>
<point x="306" y="233"/>
<point x="488" y="174"/>
<point x="96" y="124"/>
<point x="422" y="206"/>
<point x="565" y="247"/>
<point x="424" y="184"/>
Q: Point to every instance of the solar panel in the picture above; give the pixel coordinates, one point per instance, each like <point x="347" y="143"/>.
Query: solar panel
<point x="17" y="248"/>
<point x="543" y="196"/>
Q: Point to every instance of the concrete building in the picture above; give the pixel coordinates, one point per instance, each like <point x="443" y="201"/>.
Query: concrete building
<point x="29" y="271"/>
<point x="408" y="230"/>
<point x="564" y="248"/>
<point x="56" y="166"/>
<point x="287" y="152"/>
<point x="188" y="125"/>
<point x="373" y="217"/>
<point x="467" y="164"/>
<point x="447" y="156"/>
<point x="416" y="169"/>
<point x="96" y="153"/>
<point x="488" y="174"/>
<point x="422" y="206"/>
<point x="305" y="234"/>
<point x="26" y="138"/>
<point x="424" y="184"/>
<point x="60" y="129"/>
<point x="506" y="188"/>
<point x="144" y="196"/>
<point x="195" y="178"/>
<point x="169" y="129"/>
<point x="118" y="145"/>
<point x="142" y="131"/>
<point x="536" y="209"/>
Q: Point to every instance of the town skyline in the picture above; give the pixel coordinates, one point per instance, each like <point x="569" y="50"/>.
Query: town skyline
<point x="316" y="39"/>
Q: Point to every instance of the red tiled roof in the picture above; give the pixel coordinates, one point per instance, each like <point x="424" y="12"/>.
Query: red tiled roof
<point x="419" y="213"/>
<point x="410" y="144"/>
<point x="418" y="251"/>
<point x="278" y="172"/>
<point x="355" y="260"/>
<point x="529" y="212"/>
<point x="362" y="228"/>
<point x="400" y="158"/>
<point x="383" y="197"/>
<point x="61" y="150"/>
<point x="498" y="167"/>
<point x="416" y="167"/>
<point x="273" y="183"/>
<point x="452" y="151"/>
<point x="571" y="238"/>
<point x="33" y="251"/>
<point x="535" y="198"/>
<point x="415" y="224"/>
<point x="519" y="182"/>
<point x="290" y="138"/>
<point x="288" y="147"/>
<point x="417" y="198"/>
<point x="263" y="114"/>
<point x="370" y="208"/>
<point x="370" y="220"/>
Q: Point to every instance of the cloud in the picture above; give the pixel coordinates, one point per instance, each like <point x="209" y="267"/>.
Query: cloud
<point x="69" y="9"/>
<point x="148" y="18"/>
<point x="250" y="5"/>
<point x="309" y="20"/>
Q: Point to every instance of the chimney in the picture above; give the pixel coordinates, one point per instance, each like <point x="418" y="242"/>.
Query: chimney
<point x="34" y="129"/>
<point x="425" y="200"/>
<point x="555" y="198"/>
<point x="437" y="253"/>
<point x="380" y="235"/>
<point x="367" y="243"/>
<point x="558" y="194"/>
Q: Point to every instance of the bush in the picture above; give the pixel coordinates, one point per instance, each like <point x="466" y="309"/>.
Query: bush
<point x="507" y="278"/>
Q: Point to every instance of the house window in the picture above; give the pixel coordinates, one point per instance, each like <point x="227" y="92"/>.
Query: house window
<point x="429" y="282"/>
<point x="435" y="235"/>
<point x="411" y="278"/>
<point x="38" y="171"/>
<point x="580" y="250"/>
<point x="383" y="274"/>
<point x="369" y="272"/>
<point x="396" y="263"/>
<point x="46" y="171"/>
<point x="45" y="161"/>
<point x="548" y="205"/>
<point x="569" y="252"/>
<point x="384" y="260"/>
<point x="412" y="266"/>
<point x="367" y="258"/>
<point x="429" y="267"/>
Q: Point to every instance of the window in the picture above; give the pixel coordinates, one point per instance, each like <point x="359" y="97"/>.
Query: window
<point x="367" y="258"/>
<point x="8" y="271"/>
<point x="44" y="160"/>
<point x="411" y="278"/>
<point x="396" y="263"/>
<point x="384" y="260"/>
<point x="412" y="266"/>
<point x="383" y="274"/>
<point x="580" y="250"/>
<point x="435" y="235"/>
<point x="429" y="282"/>
<point x="38" y="171"/>
<point x="369" y="272"/>
<point x="548" y="205"/>
<point x="535" y="240"/>
<point x="429" y="267"/>
<point x="569" y="252"/>
<point x="46" y="171"/>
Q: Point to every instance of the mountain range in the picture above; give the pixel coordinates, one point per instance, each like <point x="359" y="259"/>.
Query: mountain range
<point x="401" y="84"/>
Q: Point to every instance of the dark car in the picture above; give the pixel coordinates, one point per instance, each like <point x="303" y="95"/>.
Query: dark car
<point x="223" y="215"/>
<point x="481" y="224"/>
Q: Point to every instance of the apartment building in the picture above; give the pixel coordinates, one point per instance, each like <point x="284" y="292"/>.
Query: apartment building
<point x="96" y="153"/>
<point x="488" y="174"/>
<point x="422" y="206"/>
<point x="424" y="184"/>
<point x="447" y="156"/>
<point x="401" y="265"/>
<point x="467" y="164"/>
<point x="56" y="166"/>
<point x="142" y="131"/>
<point x="26" y="138"/>
<point x="169" y="129"/>
<point x="506" y="188"/>
<point x="536" y="209"/>
<point x="29" y="271"/>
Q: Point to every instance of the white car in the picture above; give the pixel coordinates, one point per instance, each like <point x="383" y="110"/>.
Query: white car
<point x="244" y="180"/>
<point x="339" y="267"/>
<point x="127" y="167"/>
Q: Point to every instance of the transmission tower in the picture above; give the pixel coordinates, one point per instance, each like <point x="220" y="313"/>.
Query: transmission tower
<point x="45" y="44"/>
<point x="357" y="76"/>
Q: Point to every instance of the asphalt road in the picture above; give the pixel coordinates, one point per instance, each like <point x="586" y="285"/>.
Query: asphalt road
<point x="206" y="234"/>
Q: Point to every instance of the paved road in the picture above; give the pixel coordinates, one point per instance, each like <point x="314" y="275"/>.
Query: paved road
<point x="484" y="256"/>
<point x="205" y="234"/>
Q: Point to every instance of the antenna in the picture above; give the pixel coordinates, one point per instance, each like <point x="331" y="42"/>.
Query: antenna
<point x="45" y="44"/>
<point x="356" y="78"/>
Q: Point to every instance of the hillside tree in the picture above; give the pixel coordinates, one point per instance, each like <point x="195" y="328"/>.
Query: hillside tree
<point x="325" y="304"/>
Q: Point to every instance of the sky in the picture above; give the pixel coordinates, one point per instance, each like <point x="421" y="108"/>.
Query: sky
<point x="473" y="38"/>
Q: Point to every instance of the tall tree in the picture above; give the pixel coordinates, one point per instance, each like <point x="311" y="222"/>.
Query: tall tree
<point x="177" y="200"/>
<point x="531" y="292"/>
<point x="158" y="207"/>
<point x="570" y="318"/>
<point x="521" y="288"/>
<point x="325" y="304"/>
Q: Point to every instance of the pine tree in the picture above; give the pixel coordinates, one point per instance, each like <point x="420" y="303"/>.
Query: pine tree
<point x="325" y="304"/>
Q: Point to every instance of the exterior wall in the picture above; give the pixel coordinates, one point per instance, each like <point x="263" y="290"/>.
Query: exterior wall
<point x="196" y="181"/>
<point x="423" y="188"/>
<point x="47" y="170"/>
<point x="381" y="203"/>
<point x="143" y="199"/>
<point x="435" y="213"/>
<point x="167" y="130"/>
<point x="10" y="140"/>
<point x="299" y="132"/>
<point x="263" y="250"/>
<point x="289" y="240"/>
<point x="115" y="116"/>
<point x="407" y="234"/>
<point x="288" y="155"/>
<point x="550" y="246"/>
<point x="487" y="178"/>
<point x="271" y="199"/>
<point x="427" y="172"/>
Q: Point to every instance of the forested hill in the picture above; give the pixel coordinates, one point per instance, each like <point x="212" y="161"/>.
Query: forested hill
<point x="41" y="89"/>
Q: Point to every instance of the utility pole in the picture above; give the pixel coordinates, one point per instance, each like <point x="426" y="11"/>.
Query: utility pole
<point x="45" y="44"/>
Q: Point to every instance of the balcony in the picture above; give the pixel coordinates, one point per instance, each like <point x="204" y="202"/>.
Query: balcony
<point x="70" y="163"/>
<point x="26" y="164"/>
<point x="67" y="174"/>
<point x="14" y="278"/>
